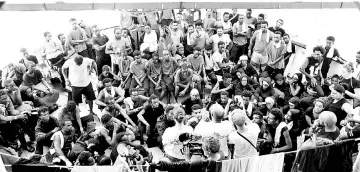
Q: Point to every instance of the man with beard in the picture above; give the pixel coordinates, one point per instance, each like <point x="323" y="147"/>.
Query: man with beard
<point x="78" y="78"/>
<point x="220" y="37"/>
<point x="188" y="42"/>
<point x="115" y="46"/>
<point x="330" y="54"/>
<point x="196" y="62"/>
<point x="99" y="41"/>
<point x="46" y="126"/>
<point x="148" y="117"/>
<point x="170" y="138"/>
<point x="61" y="145"/>
<point x="258" y="46"/>
<point x="169" y="67"/>
<point x="138" y="73"/>
<point x="77" y="38"/>
<point x="182" y="79"/>
<point x="153" y="69"/>
<point x="182" y="25"/>
<point x="34" y="79"/>
<point x="239" y="31"/>
<point x="265" y="90"/>
<point x="275" y="52"/>
<point x="176" y="34"/>
<point x="192" y="100"/>
<point x="311" y="66"/>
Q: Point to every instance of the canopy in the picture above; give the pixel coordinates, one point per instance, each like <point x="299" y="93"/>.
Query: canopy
<point x="172" y="4"/>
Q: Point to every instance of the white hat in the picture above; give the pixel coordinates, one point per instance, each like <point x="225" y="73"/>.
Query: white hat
<point x="243" y="57"/>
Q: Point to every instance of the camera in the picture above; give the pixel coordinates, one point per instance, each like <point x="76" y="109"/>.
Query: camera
<point x="192" y="142"/>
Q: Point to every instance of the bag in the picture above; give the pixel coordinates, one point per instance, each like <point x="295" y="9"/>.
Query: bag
<point x="257" y="150"/>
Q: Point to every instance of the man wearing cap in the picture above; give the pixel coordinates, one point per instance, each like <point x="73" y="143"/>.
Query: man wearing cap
<point x="239" y="31"/>
<point x="258" y="46"/>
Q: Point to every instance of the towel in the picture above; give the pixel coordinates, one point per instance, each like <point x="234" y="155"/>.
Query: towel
<point x="267" y="35"/>
<point x="277" y="45"/>
<point x="278" y="132"/>
<point x="330" y="54"/>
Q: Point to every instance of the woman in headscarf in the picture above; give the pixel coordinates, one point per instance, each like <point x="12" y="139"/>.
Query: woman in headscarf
<point x="265" y="90"/>
<point x="242" y="83"/>
<point x="296" y="87"/>
<point x="27" y="96"/>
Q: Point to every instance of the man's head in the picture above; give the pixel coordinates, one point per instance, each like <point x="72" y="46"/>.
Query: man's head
<point x="166" y="55"/>
<point x="266" y="82"/>
<point x="264" y="26"/>
<point x="318" y="51"/>
<point x="117" y="33"/>
<point x="348" y="69"/>
<point x="319" y="105"/>
<point x="286" y="38"/>
<point x="199" y="26"/>
<point x="62" y="38"/>
<point x="175" y="25"/>
<point x="134" y="94"/>
<point x="73" y="23"/>
<point x="124" y="32"/>
<point x="47" y="36"/>
<point x="179" y="115"/>
<point x="275" y="116"/>
<point x="154" y="101"/>
<point x="246" y="96"/>
<point x="194" y="94"/>
<point x="243" y="60"/>
<point x="234" y="10"/>
<point x="277" y="37"/>
<point x="269" y="102"/>
<point x="226" y="16"/>
<point x="195" y="110"/>
<point x="96" y="30"/>
<point x="227" y="78"/>
<point x="217" y="112"/>
<point x="31" y="67"/>
<point x="155" y="58"/>
<point x="105" y="70"/>
<point x="78" y="60"/>
<point x="248" y="13"/>
<point x="239" y="118"/>
<point x="209" y="12"/>
<point x="257" y="117"/>
<point x="147" y="28"/>
<point x="330" y="41"/>
<point x="335" y="79"/>
<point x="107" y="84"/>
<point x="66" y="127"/>
<point x="210" y="145"/>
<point x="208" y="49"/>
<point x="337" y="92"/>
<point x="179" y="16"/>
<point x="25" y="52"/>
<point x="44" y="114"/>
<point x="261" y="17"/>
<point x="10" y="85"/>
<point x="110" y="103"/>
<point x="71" y="106"/>
<point x="82" y="24"/>
<point x="85" y="158"/>
<point x="279" y="23"/>
<point x="197" y="52"/>
<point x="241" y="18"/>
<point x="190" y="29"/>
<point x="224" y="96"/>
<point x="106" y="121"/>
<point x="328" y="119"/>
<point x="220" y="30"/>
<point x="279" y="79"/>
<point x="137" y="56"/>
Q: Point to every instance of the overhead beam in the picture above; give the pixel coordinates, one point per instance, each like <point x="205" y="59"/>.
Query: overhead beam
<point x="178" y="5"/>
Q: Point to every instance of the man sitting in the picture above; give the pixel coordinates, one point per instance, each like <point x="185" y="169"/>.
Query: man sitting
<point x="14" y="94"/>
<point x="45" y="128"/>
<point x="34" y="79"/>
<point x="183" y="78"/>
<point x="106" y="73"/>
<point x="116" y="111"/>
<point x="109" y="91"/>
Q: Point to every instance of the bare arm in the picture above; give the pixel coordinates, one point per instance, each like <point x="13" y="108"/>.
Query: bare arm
<point x="57" y="146"/>
<point x="142" y="119"/>
<point x="98" y="99"/>
<point x="79" y="120"/>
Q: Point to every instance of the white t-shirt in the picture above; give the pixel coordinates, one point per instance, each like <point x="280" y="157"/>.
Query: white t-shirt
<point x="218" y="58"/>
<point x="79" y="75"/>
<point x="219" y="130"/>
<point x="215" y="39"/>
<point x="171" y="142"/>
<point x="242" y="147"/>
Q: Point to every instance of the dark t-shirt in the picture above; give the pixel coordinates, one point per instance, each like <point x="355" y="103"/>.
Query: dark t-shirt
<point x="272" y="29"/>
<point x="32" y="80"/>
<point x="326" y="63"/>
<point x="151" y="115"/>
<point x="46" y="127"/>
<point x="30" y="58"/>
<point x="188" y="103"/>
<point x="328" y="135"/>
<point x="349" y="85"/>
<point x="102" y="77"/>
<point x="100" y="41"/>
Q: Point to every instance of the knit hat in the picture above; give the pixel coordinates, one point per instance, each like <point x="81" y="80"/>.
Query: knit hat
<point x="339" y="88"/>
<point x="279" y="77"/>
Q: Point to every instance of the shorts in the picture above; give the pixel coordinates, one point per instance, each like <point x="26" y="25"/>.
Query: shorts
<point x="259" y="58"/>
<point x="88" y="91"/>
<point x="167" y="83"/>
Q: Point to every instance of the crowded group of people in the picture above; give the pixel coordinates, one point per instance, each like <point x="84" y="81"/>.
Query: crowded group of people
<point x="228" y="69"/>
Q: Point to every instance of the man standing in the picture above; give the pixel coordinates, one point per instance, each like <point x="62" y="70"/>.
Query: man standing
<point x="182" y="25"/>
<point x="63" y="44"/>
<point x="78" y="78"/>
<point x="138" y="72"/>
<point x="99" y="41"/>
<point x="169" y="67"/>
<point x="188" y="42"/>
<point x="176" y="34"/>
<point x="234" y="16"/>
<point x="311" y="67"/>
<point x="89" y="34"/>
<point x="331" y="53"/>
<point x="115" y="46"/>
<point x="209" y="22"/>
<point x="239" y="31"/>
<point x="51" y="50"/>
<point x="78" y="38"/>
<point x="249" y="19"/>
<point x="227" y="24"/>
<point x="290" y="48"/>
<point x="209" y="64"/>
<point x="277" y="27"/>
<point x="258" y="44"/>
<point x="221" y="59"/>
<point x="276" y="51"/>
<point x="199" y="38"/>
<point x="220" y="36"/>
